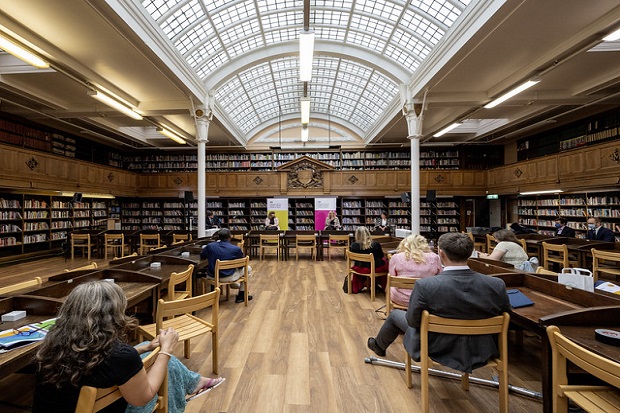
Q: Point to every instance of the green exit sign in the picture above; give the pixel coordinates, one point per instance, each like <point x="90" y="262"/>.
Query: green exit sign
<point x="492" y="196"/>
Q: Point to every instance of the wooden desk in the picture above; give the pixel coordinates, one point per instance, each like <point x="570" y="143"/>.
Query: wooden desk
<point x="554" y="303"/>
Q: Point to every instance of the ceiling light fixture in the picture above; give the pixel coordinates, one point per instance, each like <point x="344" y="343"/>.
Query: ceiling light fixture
<point x="171" y="135"/>
<point x="447" y="129"/>
<point x="115" y="104"/>
<point x="546" y="191"/>
<point x="512" y="93"/>
<point x="305" y="110"/>
<point x="306" y="50"/>
<point x="10" y="46"/>
<point x="612" y="37"/>
<point x="304" y="133"/>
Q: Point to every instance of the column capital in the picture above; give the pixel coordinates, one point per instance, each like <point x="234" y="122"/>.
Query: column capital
<point x="202" y="125"/>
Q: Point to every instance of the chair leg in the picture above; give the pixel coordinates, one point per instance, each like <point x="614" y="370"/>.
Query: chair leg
<point x="105" y="254"/>
<point x="246" y="292"/>
<point x="214" y="346"/>
<point x="503" y="389"/>
<point x="187" y="350"/>
<point x="424" y="384"/>
<point x="408" y="371"/>
<point x="88" y="247"/>
<point x="349" y="283"/>
<point x="465" y="381"/>
<point x="372" y="287"/>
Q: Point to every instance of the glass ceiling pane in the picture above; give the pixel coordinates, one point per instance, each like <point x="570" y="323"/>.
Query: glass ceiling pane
<point x="211" y="33"/>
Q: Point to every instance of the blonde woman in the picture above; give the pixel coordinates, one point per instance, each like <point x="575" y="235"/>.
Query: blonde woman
<point x="414" y="259"/>
<point x="365" y="245"/>
<point x="332" y="222"/>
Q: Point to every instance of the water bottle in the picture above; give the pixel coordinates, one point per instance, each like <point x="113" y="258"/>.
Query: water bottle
<point x="432" y="245"/>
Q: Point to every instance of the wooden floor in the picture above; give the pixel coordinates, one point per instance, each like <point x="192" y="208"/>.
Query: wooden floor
<point x="300" y="347"/>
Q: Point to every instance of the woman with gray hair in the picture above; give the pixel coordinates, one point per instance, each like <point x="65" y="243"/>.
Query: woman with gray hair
<point x="88" y="347"/>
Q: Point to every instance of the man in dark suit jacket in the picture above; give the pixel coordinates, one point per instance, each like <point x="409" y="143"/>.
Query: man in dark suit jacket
<point x="562" y="230"/>
<point x="212" y="221"/>
<point x="597" y="232"/>
<point x="223" y="250"/>
<point x="457" y="292"/>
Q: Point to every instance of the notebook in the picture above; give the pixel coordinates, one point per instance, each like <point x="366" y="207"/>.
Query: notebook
<point x="518" y="299"/>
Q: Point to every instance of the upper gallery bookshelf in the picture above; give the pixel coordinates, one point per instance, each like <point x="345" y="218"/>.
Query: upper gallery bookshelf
<point x="540" y="212"/>
<point x="449" y="158"/>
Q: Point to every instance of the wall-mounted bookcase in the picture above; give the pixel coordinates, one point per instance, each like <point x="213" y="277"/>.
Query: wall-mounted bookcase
<point x="31" y="223"/>
<point x="539" y="212"/>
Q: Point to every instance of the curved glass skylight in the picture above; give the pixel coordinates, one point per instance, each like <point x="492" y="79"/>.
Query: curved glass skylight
<point x="211" y="33"/>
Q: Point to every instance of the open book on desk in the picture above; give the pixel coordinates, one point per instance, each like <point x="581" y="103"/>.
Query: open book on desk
<point x="30" y="333"/>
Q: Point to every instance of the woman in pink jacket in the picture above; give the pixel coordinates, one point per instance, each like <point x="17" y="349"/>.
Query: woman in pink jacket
<point x="414" y="259"/>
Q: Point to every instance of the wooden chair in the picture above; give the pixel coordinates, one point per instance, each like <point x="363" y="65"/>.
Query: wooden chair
<point x="178" y="315"/>
<point x="178" y="278"/>
<point x="601" y="399"/>
<point x="116" y="242"/>
<point x="494" y="325"/>
<point x="148" y="242"/>
<point x="337" y="242"/>
<point x="269" y="242"/>
<point x="216" y="281"/>
<point x="91" y="266"/>
<point x="20" y="286"/>
<point x="370" y="259"/>
<point x="396" y="282"/>
<point x="92" y="399"/>
<point x="523" y="244"/>
<point x="605" y="262"/>
<point x="541" y="270"/>
<point x="491" y="243"/>
<point x="81" y="241"/>
<point x="559" y="254"/>
<point x="178" y="238"/>
<point x="305" y="242"/>
<point x="478" y="245"/>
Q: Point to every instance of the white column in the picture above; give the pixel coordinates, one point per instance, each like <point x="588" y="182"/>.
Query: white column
<point x="413" y="114"/>
<point x="415" y="184"/>
<point x="202" y="133"/>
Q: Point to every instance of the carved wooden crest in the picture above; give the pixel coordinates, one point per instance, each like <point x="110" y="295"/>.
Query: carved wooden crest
<point x="305" y="172"/>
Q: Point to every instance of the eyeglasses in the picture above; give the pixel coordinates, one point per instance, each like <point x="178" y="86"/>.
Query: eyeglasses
<point x="26" y="332"/>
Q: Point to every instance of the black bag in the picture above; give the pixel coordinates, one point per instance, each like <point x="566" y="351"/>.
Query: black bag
<point x="345" y="286"/>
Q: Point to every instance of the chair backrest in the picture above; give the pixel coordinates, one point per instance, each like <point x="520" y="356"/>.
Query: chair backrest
<point x="80" y="237"/>
<point x="491" y="243"/>
<point x="181" y="237"/>
<point x="601" y="255"/>
<point x="562" y="349"/>
<point x="471" y="236"/>
<point x="562" y="251"/>
<point x="523" y="244"/>
<point x="344" y="238"/>
<point x="231" y="265"/>
<point x="270" y="240"/>
<point x="20" y="286"/>
<point x="493" y="325"/>
<point x="92" y="399"/>
<point x="91" y="266"/>
<point x="305" y="239"/>
<point x="541" y="270"/>
<point x="114" y="237"/>
<point x="150" y="237"/>
<point x="396" y="282"/>
<point x="177" y="278"/>
<point x="354" y="256"/>
<point x="169" y="309"/>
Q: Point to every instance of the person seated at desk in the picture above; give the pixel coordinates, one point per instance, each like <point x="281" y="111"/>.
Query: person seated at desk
<point x="271" y="222"/>
<point x="457" y="292"/>
<point x="213" y="221"/>
<point x="332" y="222"/>
<point x="597" y="232"/>
<point x="381" y="223"/>
<point x="224" y="250"/>
<point x="562" y="230"/>
<point x="365" y="245"/>
<point x="413" y="259"/>
<point x="508" y="249"/>
<point x="88" y="347"/>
